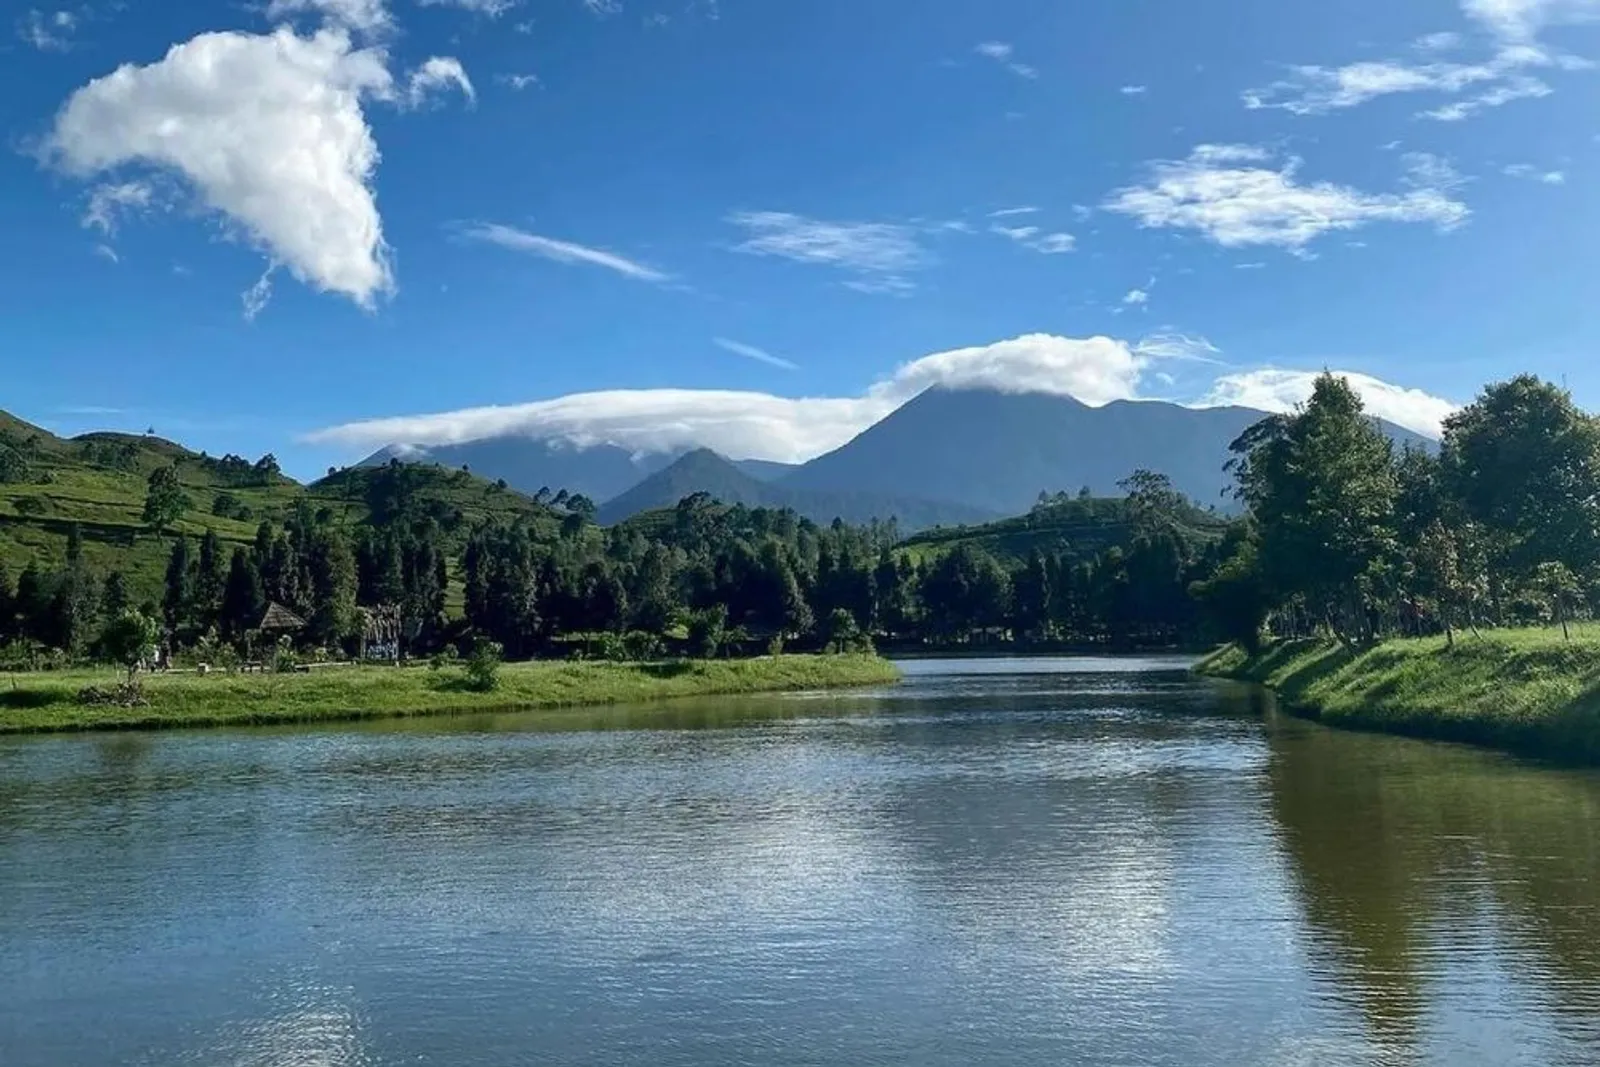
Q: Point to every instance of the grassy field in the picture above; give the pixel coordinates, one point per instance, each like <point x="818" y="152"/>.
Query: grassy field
<point x="1526" y="691"/>
<point x="32" y="703"/>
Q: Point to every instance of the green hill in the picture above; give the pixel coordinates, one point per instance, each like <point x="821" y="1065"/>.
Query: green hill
<point x="97" y="482"/>
<point x="1081" y="527"/>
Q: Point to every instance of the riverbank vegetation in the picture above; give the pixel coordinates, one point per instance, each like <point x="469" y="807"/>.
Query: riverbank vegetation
<point x="1435" y="592"/>
<point x="44" y="702"/>
<point x="1530" y="691"/>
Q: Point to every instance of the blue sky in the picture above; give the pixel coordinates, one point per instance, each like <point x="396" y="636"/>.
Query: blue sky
<point x="313" y="226"/>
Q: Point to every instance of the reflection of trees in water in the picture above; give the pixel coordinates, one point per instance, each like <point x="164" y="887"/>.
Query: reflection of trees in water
<point x="1400" y="846"/>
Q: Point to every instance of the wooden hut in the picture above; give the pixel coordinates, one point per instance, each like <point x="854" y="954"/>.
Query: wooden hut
<point x="278" y="621"/>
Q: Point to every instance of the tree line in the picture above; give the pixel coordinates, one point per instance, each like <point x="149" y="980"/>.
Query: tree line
<point x="1348" y="535"/>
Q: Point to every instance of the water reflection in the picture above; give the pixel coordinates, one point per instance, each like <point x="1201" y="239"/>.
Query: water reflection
<point x="1039" y="863"/>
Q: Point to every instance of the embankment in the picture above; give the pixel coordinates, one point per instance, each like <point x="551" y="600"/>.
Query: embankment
<point x="37" y="703"/>
<point x="1527" y="691"/>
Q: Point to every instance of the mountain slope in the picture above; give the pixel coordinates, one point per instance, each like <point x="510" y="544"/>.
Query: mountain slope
<point x="528" y="464"/>
<point x="704" y="471"/>
<point x="998" y="451"/>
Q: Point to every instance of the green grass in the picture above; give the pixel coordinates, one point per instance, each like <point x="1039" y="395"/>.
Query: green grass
<point x="1526" y="691"/>
<point x="33" y="703"/>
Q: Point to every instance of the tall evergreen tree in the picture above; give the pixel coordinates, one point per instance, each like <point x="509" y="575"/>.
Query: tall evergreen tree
<point x="177" y="602"/>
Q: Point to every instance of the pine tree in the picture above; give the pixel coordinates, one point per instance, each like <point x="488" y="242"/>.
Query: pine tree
<point x="177" y="602"/>
<point x="209" y="579"/>
<point x="242" y="598"/>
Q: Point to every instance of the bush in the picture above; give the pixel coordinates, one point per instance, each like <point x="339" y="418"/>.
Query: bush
<point x="483" y="666"/>
<point x="642" y="646"/>
<point x="284" y="660"/>
<point x="128" y="694"/>
<point x="708" y="632"/>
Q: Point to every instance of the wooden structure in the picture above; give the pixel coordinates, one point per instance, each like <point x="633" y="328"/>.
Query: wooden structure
<point x="278" y="621"/>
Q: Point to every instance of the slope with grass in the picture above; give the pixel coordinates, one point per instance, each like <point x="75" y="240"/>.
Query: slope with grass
<point x="1082" y="528"/>
<point x="97" y="482"/>
<point x="1526" y="691"/>
<point x="43" y="703"/>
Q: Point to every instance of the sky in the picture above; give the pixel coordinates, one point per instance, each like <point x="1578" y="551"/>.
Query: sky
<point x="316" y="227"/>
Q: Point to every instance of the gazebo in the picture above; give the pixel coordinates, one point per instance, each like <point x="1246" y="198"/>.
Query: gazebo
<point x="278" y="621"/>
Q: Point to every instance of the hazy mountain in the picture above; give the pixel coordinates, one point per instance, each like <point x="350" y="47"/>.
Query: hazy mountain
<point x="529" y="464"/>
<point x="765" y="469"/>
<point x="704" y="471"/>
<point x="997" y="451"/>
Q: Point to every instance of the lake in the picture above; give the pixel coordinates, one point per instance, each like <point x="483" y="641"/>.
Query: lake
<point x="1029" y="862"/>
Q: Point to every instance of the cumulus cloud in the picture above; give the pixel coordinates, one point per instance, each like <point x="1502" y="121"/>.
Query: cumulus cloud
<point x="760" y="355"/>
<point x="880" y="254"/>
<point x="1233" y="195"/>
<point x="745" y="425"/>
<point x="369" y="16"/>
<point x="1137" y="296"/>
<point x="438" y="73"/>
<point x="269" y="133"/>
<point x="515" y="240"/>
<point x="1272" y="389"/>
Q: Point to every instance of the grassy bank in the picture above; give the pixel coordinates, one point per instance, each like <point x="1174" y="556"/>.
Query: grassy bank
<point x="47" y="702"/>
<point x="1527" y="691"/>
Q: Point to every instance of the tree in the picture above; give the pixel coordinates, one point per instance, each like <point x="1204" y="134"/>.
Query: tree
<point x="8" y="606"/>
<point x="114" y="598"/>
<point x="1152" y="501"/>
<point x="242" y="599"/>
<point x="840" y="632"/>
<point x="130" y="639"/>
<point x="210" y="578"/>
<point x="1524" y="462"/>
<point x="333" y="587"/>
<point x="708" y="631"/>
<point x="1321" y="488"/>
<point x="177" y="603"/>
<point x="165" y="501"/>
<point x="1558" y="583"/>
<point x="1235" y="597"/>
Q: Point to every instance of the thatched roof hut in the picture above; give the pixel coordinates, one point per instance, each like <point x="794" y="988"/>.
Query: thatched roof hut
<point x="278" y="619"/>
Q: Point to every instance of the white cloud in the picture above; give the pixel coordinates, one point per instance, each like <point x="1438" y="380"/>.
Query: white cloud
<point x="518" y="82"/>
<point x="1137" y="296"/>
<point x="760" y="355"/>
<point x="1008" y="212"/>
<point x="509" y="237"/>
<point x="1133" y="90"/>
<point x="1216" y="193"/>
<point x="111" y="199"/>
<point x="368" y="16"/>
<point x="1521" y="20"/>
<point x="1272" y="389"/>
<point x="1050" y="244"/>
<point x="107" y="252"/>
<point x="1532" y="173"/>
<point x="492" y="8"/>
<point x="880" y="254"/>
<point x="269" y="133"/>
<point x="1002" y="53"/>
<point x="1445" y="41"/>
<point x="1514" y="89"/>
<point x="746" y="425"/>
<point x="1424" y="170"/>
<point x="48" y="31"/>
<point x="603" y="7"/>
<point x="438" y="73"/>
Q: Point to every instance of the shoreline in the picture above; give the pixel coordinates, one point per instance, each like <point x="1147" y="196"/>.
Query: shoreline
<point x="46" y="703"/>
<point x="1528" y="692"/>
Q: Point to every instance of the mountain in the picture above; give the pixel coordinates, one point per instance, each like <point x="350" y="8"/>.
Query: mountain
<point x="704" y="471"/>
<point x="765" y="469"/>
<point x="529" y="464"/>
<point x="997" y="451"/>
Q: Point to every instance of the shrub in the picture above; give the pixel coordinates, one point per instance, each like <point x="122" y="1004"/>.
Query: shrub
<point x="642" y="646"/>
<point x="483" y="666"/>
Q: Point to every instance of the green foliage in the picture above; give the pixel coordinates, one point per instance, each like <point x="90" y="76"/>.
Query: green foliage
<point x="165" y="501"/>
<point x="483" y="666"/>
<point x="130" y="639"/>
<point x="708" y="632"/>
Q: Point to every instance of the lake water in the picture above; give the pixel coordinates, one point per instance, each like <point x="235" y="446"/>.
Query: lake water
<point x="1032" y="862"/>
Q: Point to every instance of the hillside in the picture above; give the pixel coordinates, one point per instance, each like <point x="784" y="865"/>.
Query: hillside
<point x="1081" y="528"/>
<point x="98" y="483"/>
<point x="704" y="471"/>
<point x="527" y="464"/>
<point x="998" y="451"/>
